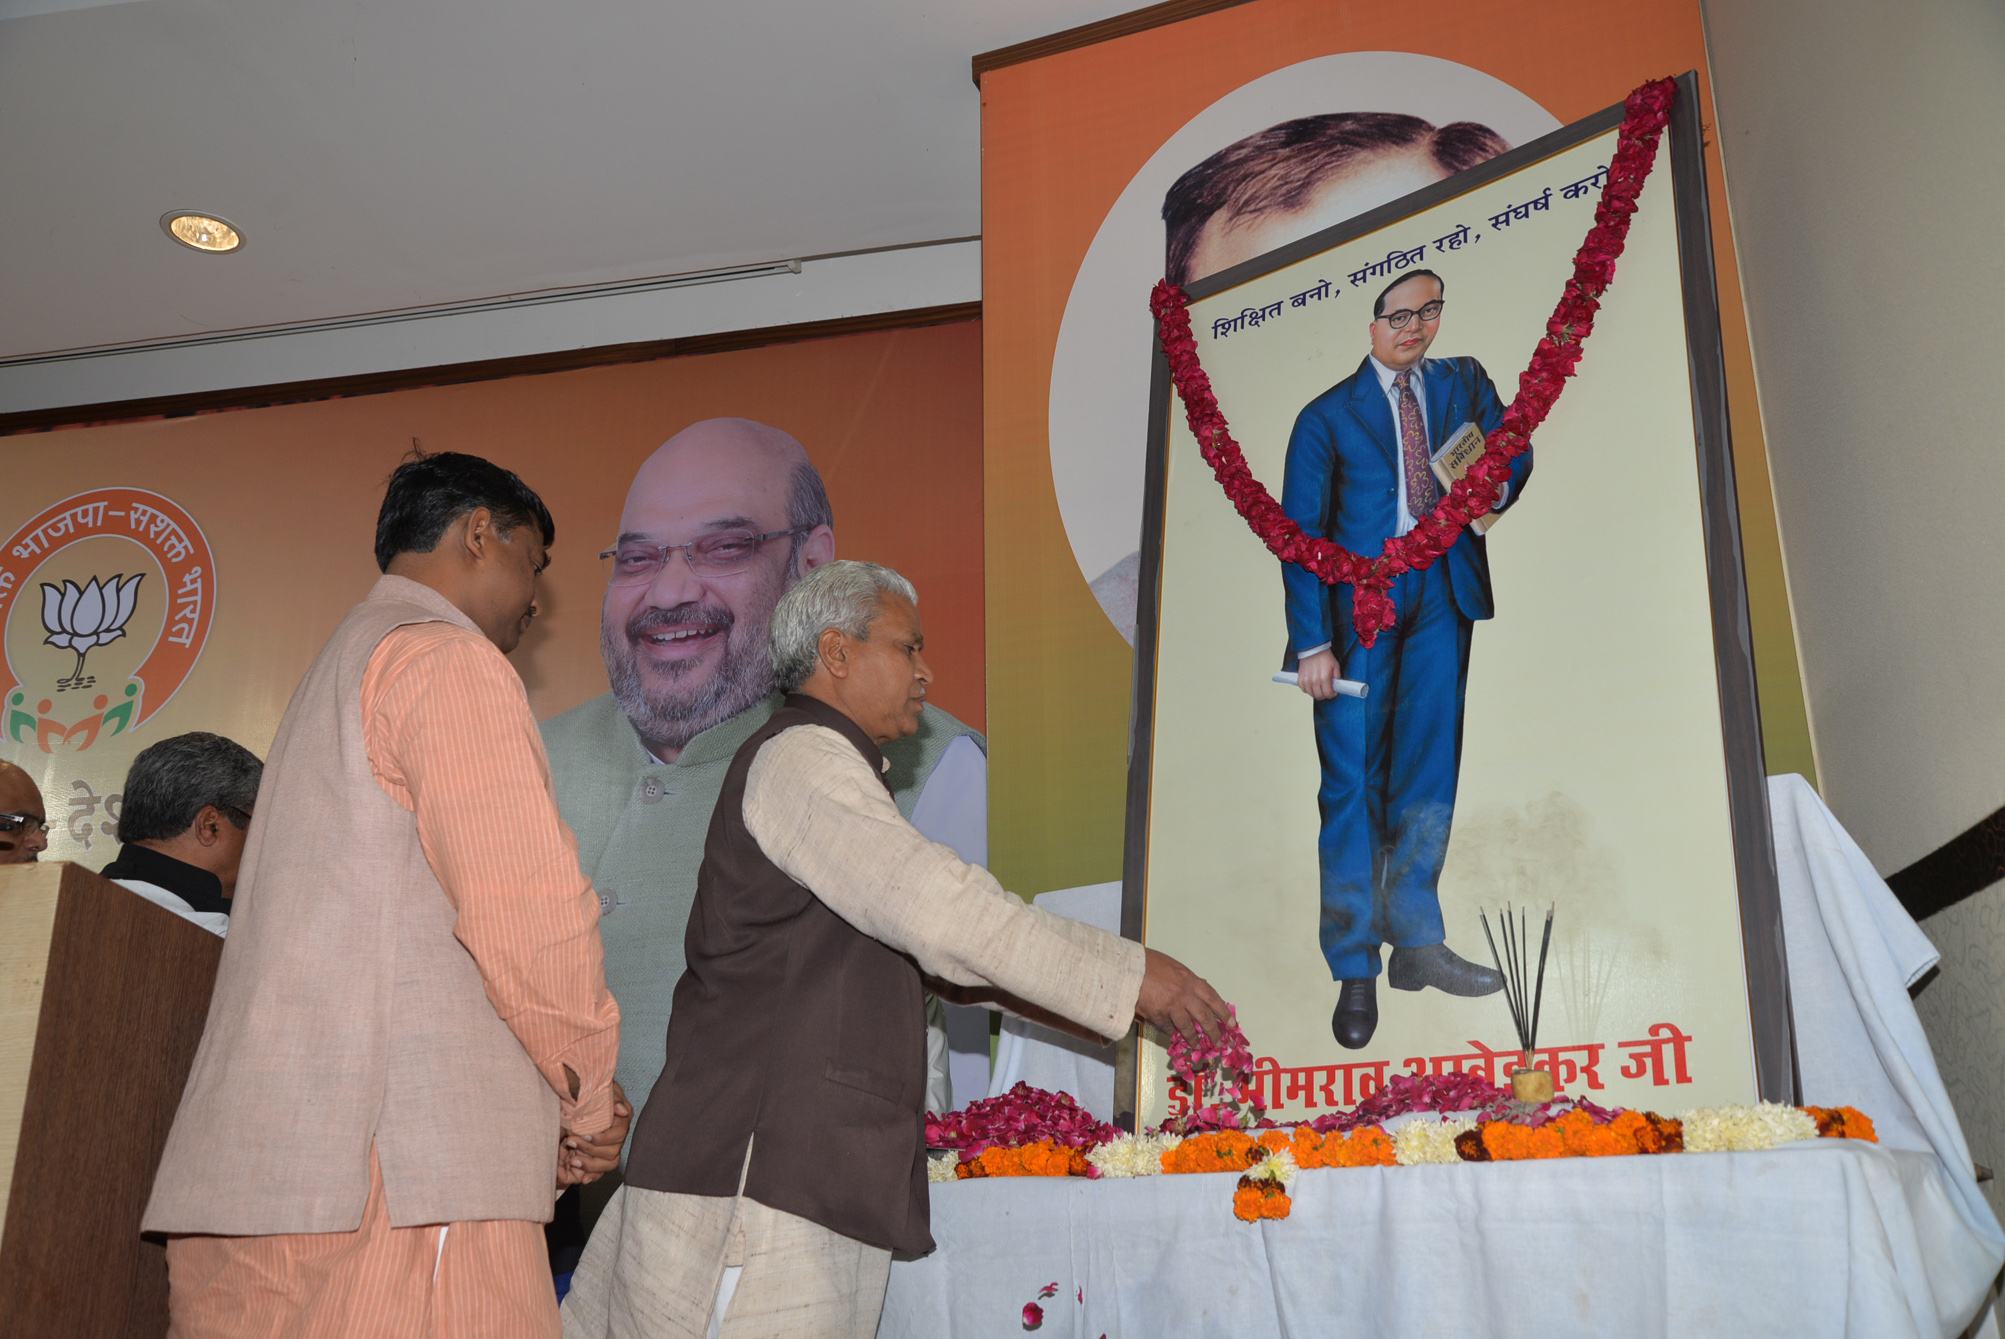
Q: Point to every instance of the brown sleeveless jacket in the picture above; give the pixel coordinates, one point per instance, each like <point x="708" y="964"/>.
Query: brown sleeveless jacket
<point x="793" y="1026"/>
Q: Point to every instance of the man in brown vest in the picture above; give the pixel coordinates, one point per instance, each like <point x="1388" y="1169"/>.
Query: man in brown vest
<point x="785" y="1135"/>
<point x="411" y="1003"/>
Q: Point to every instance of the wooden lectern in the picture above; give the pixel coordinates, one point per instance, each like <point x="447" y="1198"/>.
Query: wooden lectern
<point x="102" y="1000"/>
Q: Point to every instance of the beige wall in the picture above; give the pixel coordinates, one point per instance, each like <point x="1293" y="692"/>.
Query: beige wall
<point x="1864" y="146"/>
<point x="1963" y="1010"/>
<point x="1865" y="154"/>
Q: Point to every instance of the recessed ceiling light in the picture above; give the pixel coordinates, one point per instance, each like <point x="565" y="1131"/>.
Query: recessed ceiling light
<point x="201" y="232"/>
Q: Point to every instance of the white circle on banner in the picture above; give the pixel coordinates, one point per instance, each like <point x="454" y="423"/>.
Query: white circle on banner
<point x="1100" y="367"/>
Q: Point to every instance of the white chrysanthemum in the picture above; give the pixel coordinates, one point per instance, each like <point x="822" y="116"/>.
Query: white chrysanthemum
<point x="1737" y="1129"/>
<point x="1132" y="1154"/>
<point x="940" y="1166"/>
<point x="1278" y="1165"/>
<point x="1422" y="1141"/>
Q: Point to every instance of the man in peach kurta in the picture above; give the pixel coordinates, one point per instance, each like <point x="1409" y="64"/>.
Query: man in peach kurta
<point x="411" y="1044"/>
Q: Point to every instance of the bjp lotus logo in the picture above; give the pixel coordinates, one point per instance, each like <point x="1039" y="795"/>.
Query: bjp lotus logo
<point x="60" y="687"/>
<point x="78" y="618"/>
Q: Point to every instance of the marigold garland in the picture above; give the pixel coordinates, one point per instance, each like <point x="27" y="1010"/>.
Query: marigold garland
<point x="1218" y="1151"/>
<point x="1043" y="1158"/>
<point x="1646" y="112"/>
<point x="1843" y="1123"/>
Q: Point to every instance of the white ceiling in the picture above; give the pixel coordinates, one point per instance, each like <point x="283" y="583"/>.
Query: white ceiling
<point x="383" y="154"/>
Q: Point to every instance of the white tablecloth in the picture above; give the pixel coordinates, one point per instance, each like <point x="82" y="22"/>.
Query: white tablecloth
<point x="1824" y="1238"/>
<point x="1827" y="1238"/>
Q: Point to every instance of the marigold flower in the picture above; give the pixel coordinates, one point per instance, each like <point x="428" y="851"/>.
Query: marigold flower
<point x="1369" y="1147"/>
<point x="1511" y="1143"/>
<point x="1254" y="1200"/>
<point x="1043" y="1158"/>
<point x="1660" y="1134"/>
<point x="1218" y="1151"/>
<point x="1843" y="1123"/>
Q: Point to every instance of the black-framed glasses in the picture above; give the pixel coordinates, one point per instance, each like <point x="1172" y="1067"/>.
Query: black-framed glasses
<point x="29" y="824"/>
<point x="1397" y="320"/>
<point x="726" y="553"/>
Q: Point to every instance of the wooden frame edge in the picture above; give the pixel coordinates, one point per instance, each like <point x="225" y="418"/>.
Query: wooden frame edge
<point x="1763" y="950"/>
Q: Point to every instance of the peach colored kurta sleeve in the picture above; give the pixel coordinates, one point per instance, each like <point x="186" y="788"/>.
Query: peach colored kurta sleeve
<point x="450" y="737"/>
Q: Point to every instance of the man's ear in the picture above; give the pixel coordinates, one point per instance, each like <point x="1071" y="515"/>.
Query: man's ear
<point x="475" y="531"/>
<point x="208" y="825"/>
<point x="817" y="548"/>
<point x="832" y="648"/>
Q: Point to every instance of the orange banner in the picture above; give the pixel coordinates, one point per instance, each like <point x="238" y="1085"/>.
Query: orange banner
<point x="180" y="574"/>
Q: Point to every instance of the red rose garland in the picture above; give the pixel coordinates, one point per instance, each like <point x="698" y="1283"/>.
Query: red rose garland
<point x="1647" y="110"/>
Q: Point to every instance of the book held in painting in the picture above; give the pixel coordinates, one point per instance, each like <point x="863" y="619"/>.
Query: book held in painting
<point x="1453" y="460"/>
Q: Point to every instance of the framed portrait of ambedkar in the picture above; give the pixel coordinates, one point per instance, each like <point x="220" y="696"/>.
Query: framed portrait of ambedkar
<point x="1561" y="715"/>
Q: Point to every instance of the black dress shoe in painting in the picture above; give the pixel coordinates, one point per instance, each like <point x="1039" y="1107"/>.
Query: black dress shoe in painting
<point x="1438" y="966"/>
<point x="1356" y="1017"/>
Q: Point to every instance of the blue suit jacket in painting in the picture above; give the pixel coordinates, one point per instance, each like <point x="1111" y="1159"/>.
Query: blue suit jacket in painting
<point x="1342" y="484"/>
<point x="1390" y="761"/>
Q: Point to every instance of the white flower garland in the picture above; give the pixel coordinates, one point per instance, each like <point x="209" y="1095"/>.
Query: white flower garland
<point x="940" y="1166"/>
<point x="1737" y="1129"/>
<point x="1133" y="1154"/>
<point x="1424" y="1141"/>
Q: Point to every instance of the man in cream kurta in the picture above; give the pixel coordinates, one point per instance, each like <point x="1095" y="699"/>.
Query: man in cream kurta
<point x="785" y="1135"/>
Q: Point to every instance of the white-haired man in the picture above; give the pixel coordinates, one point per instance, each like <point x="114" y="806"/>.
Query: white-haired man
<point x="784" y="1135"/>
<point x="717" y="524"/>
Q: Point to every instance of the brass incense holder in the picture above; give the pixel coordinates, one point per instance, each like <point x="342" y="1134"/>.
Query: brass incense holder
<point x="1531" y="1085"/>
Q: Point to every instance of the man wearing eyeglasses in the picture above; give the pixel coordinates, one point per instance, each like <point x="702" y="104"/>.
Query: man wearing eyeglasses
<point x="720" y="522"/>
<point x="24" y="825"/>
<point x="1359" y="473"/>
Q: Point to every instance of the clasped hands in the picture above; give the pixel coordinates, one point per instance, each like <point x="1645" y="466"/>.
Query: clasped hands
<point x="583" y="1159"/>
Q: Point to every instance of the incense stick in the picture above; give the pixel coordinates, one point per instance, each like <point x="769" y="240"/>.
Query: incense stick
<point x="1524" y="989"/>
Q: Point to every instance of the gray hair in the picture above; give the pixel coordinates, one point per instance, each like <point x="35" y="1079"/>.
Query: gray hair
<point x="843" y="595"/>
<point x="807" y="506"/>
<point x="171" y="782"/>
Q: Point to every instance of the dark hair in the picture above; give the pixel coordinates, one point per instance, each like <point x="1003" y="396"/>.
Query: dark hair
<point x="1282" y="166"/>
<point x="429" y="492"/>
<point x="1378" y="307"/>
<point x="170" y="782"/>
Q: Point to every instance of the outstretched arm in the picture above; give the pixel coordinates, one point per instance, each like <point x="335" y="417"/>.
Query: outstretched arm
<point x="817" y="812"/>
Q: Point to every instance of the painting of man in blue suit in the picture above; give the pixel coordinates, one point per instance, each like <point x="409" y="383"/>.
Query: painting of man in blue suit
<point x="1358" y="473"/>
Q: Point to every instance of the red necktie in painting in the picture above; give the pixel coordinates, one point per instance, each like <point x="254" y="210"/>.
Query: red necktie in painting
<point x="1421" y="490"/>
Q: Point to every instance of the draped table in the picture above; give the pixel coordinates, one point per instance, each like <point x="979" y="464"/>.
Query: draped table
<point x="1827" y="1237"/>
